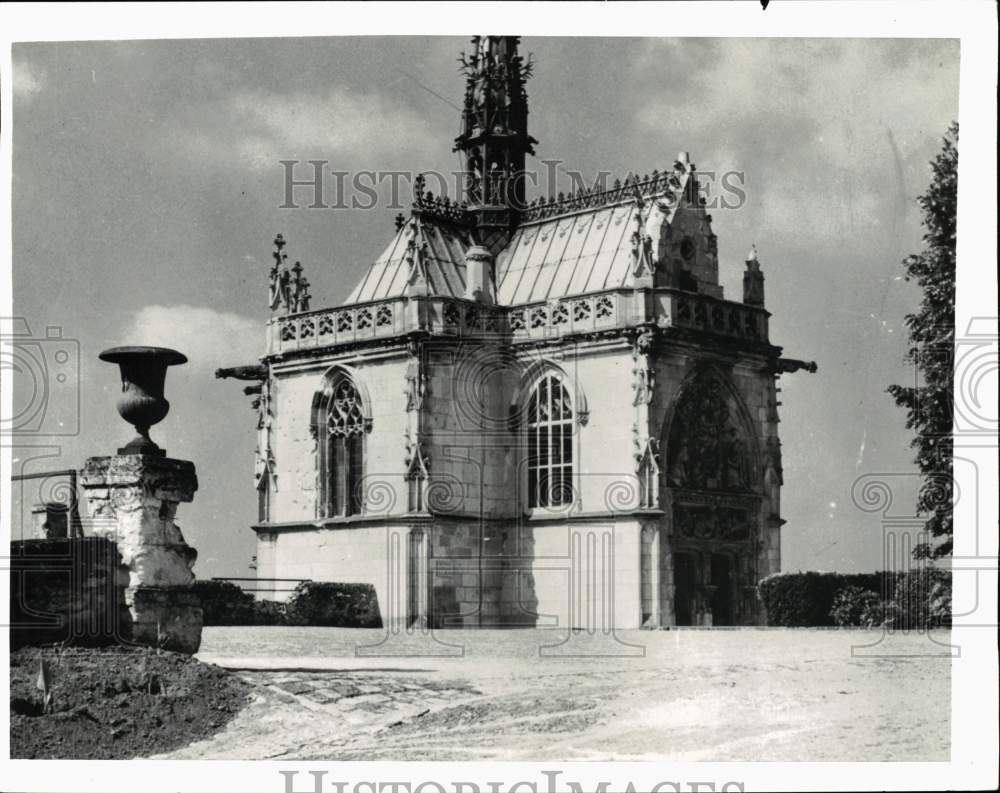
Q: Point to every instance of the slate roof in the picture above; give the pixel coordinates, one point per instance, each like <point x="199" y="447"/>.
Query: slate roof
<point x="443" y="258"/>
<point x="578" y="244"/>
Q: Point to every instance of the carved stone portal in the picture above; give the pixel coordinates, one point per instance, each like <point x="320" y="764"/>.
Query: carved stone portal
<point x="716" y="499"/>
<point x="707" y="447"/>
<point x="707" y="523"/>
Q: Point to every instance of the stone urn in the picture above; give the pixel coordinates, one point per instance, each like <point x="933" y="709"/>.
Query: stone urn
<point x="142" y="404"/>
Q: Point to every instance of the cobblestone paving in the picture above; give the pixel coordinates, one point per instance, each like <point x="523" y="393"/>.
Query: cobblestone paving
<point x="359" y="691"/>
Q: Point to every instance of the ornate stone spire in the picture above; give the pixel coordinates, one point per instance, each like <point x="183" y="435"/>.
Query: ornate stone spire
<point x="494" y="139"/>
<point x="289" y="290"/>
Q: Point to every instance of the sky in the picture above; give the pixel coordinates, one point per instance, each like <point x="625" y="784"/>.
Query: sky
<point x="147" y="186"/>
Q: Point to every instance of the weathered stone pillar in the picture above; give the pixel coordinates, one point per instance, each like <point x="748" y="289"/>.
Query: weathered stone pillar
<point x="419" y="584"/>
<point x="668" y="616"/>
<point x="137" y="495"/>
<point x="650" y="576"/>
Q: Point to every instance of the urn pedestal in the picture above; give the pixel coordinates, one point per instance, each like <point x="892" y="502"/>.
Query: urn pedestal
<point x="132" y="500"/>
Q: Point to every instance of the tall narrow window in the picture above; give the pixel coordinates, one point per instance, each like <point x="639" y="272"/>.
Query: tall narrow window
<point x="341" y="427"/>
<point x="550" y="444"/>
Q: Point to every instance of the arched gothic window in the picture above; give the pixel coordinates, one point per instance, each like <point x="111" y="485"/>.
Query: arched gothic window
<point x="550" y="444"/>
<point x="340" y="428"/>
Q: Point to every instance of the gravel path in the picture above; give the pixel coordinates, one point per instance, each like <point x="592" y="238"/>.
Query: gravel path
<point x="747" y="694"/>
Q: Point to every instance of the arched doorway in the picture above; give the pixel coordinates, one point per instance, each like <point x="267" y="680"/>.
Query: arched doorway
<point x="713" y="497"/>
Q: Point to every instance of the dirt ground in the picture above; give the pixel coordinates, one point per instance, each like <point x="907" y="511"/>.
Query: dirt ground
<point x="116" y="703"/>
<point x="737" y="695"/>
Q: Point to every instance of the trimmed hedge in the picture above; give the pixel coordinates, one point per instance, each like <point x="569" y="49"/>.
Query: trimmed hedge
<point x="224" y="603"/>
<point x="801" y="600"/>
<point x="334" y="604"/>
<point x="918" y="598"/>
<point x="313" y="603"/>
<point x="269" y="612"/>
<point x="857" y="607"/>
<point x="67" y="590"/>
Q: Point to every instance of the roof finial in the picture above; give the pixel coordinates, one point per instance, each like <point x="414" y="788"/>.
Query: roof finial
<point x="683" y="163"/>
<point x="287" y="290"/>
<point x="753" y="280"/>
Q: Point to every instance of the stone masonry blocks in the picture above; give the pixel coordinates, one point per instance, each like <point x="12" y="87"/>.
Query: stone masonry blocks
<point x="137" y="495"/>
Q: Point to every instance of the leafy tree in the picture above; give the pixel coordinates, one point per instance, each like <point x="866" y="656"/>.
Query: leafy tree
<point x="932" y="350"/>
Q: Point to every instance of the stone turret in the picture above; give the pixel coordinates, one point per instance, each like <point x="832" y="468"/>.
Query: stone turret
<point x="753" y="280"/>
<point x="479" y="283"/>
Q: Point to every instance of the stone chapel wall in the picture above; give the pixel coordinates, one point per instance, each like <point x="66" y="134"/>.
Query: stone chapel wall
<point x="295" y="451"/>
<point x="603" y="463"/>
<point x="466" y="424"/>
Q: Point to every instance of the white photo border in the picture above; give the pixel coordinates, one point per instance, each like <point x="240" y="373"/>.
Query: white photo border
<point x="974" y="701"/>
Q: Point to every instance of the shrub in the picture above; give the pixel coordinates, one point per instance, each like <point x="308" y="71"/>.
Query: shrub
<point x="857" y="607"/>
<point x="913" y="599"/>
<point x="268" y="612"/>
<point x="224" y="603"/>
<point x="334" y="605"/>
<point x="802" y="600"/>
<point x="922" y="599"/>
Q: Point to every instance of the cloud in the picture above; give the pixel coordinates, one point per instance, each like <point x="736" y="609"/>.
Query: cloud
<point x="826" y="130"/>
<point x="335" y="125"/>
<point x="27" y="80"/>
<point x="209" y="338"/>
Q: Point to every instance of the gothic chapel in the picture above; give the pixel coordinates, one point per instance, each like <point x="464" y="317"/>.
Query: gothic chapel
<point x="526" y="414"/>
